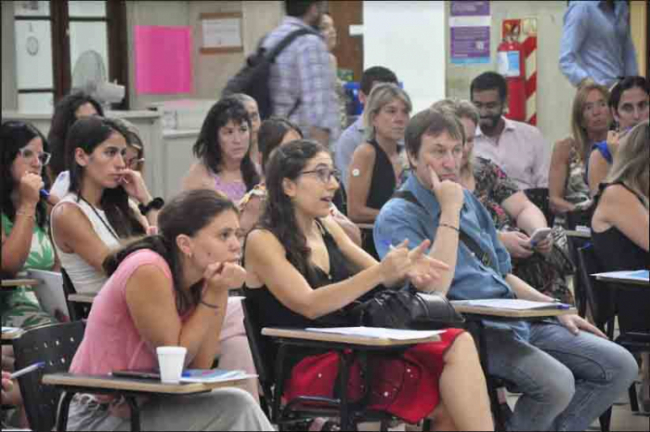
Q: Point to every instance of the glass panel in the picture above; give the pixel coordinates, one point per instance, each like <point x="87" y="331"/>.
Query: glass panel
<point x="88" y="52"/>
<point x="32" y="8"/>
<point x="87" y="8"/>
<point x="36" y="103"/>
<point x="34" y="54"/>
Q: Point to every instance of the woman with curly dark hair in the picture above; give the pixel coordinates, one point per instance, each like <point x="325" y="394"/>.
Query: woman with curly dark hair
<point x="66" y="112"/>
<point x="25" y="233"/>
<point x="223" y="150"/>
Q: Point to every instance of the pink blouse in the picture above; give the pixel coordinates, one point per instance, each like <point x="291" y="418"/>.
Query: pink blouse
<point x="111" y="341"/>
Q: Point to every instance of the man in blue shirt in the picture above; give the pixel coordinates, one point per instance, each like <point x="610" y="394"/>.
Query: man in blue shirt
<point x="597" y="42"/>
<point x="353" y="136"/>
<point x="568" y="372"/>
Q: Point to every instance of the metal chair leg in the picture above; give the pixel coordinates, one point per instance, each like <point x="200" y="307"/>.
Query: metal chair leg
<point x="634" y="399"/>
<point x="135" y="413"/>
<point x="606" y="420"/>
<point x="64" y="408"/>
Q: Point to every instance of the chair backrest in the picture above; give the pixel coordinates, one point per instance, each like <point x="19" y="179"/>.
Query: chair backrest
<point x="264" y="361"/>
<point x="600" y="298"/>
<point x="77" y="311"/>
<point x="55" y="345"/>
<point x="540" y="197"/>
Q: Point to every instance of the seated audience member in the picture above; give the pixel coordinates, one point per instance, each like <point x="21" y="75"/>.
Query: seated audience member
<point x="276" y="132"/>
<point x="223" y="148"/>
<point x="353" y="136"/>
<point x="378" y="167"/>
<point x="518" y="148"/>
<point x="629" y="106"/>
<point x="256" y="121"/>
<point x="590" y="122"/>
<point x="97" y="214"/>
<point x="621" y="231"/>
<point x="184" y="275"/>
<point x="299" y="275"/>
<point x="66" y="112"/>
<point x="133" y="158"/>
<point x="559" y="365"/>
<point x="542" y="265"/>
<point x="25" y="215"/>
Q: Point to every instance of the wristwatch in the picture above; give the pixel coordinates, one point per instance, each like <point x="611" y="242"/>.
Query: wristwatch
<point x="155" y="204"/>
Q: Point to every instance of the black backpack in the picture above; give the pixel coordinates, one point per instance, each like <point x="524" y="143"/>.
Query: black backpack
<point x="253" y="78"/>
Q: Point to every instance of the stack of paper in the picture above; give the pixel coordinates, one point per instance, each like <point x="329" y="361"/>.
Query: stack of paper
<point x="515" y="305"/>
<point x="380" y="333"/>
<point x="214" y="375"/>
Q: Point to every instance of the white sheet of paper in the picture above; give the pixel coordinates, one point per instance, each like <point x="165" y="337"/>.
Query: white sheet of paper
<point x="379" y="333"/>
<point x="222" y="33"/>
<point x="642" y="275"/>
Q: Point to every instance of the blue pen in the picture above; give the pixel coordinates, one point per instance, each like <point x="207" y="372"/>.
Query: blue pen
<point x="45" y="194"/>
<point x="28" y="369"/>
<point x="563" y="306"/>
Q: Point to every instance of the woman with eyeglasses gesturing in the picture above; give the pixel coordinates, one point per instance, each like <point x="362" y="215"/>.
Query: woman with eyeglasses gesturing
<point x="25" y="235"/>
<point x="99" y="211"/>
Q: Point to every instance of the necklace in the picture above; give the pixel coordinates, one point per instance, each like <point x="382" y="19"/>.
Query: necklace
<point x="105" y="223"/>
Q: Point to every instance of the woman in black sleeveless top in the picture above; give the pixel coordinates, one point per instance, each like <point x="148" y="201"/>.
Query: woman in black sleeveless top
<point x="303" y="271"/>
<point x="621" y="231"/>
<point x="377" y="167"/>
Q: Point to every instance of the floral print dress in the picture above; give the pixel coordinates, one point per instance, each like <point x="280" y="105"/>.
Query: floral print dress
<point x="20" y="307"/>
<point x="546" y="274"/>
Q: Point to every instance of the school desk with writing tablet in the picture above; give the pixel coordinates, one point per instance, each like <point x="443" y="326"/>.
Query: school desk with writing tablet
<point x="488" y="308"/>
<point x="371" y="341"/>
<point x="15" y="283"/>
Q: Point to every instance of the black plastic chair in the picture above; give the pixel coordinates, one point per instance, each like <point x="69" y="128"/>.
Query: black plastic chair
<point x="55" y="345"/>
<point x="78" y="311"/>
<point x="540" y="197"/>
<point x="272" y="374"/>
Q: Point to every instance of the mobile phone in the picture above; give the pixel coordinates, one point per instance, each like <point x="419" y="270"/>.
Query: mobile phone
<point x="150" y="375"/>
<point x="540" y="235"/>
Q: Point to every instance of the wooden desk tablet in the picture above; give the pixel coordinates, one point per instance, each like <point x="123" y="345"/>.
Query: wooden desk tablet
<point x="82" y="298"/>
<point x="15" y="283"/>
<point x="463" y="308"/>
<point x="342" y="339"/>
<point x="107" y="383"/>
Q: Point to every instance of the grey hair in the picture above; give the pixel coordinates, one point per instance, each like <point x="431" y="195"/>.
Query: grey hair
<point x="380" y="96"/>
<point x="461" y="108"/>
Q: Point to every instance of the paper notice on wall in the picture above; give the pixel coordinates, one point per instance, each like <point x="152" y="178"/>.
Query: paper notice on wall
<point x="222" y="33"/>
<point x="470" y="24"/>
<point x="163" y="60"/>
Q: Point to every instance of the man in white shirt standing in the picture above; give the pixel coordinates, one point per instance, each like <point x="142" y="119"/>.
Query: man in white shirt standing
<point x="518" y="148"/>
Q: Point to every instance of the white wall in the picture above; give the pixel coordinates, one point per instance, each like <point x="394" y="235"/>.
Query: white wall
<point x="409" y="38"/>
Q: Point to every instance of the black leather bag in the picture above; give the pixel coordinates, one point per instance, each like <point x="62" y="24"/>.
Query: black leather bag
<point x="408" y="309"/>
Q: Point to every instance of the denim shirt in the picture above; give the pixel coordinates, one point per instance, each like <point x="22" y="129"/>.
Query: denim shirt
<point x="400" y="220"/>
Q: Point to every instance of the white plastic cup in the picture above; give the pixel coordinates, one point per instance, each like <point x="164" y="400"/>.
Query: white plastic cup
<point x="171" y="361"/>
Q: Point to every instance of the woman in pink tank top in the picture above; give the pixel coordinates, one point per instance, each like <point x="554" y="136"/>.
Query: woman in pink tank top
<point x="168" y="290"/>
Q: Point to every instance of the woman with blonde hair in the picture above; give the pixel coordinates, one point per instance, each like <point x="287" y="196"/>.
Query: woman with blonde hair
<point x="590" y="122"/>
<point x="378" y="165"/>
<point x="621" y="231"/>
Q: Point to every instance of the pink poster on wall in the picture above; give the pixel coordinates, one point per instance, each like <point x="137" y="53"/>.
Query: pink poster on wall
<point x="163" y="60"/>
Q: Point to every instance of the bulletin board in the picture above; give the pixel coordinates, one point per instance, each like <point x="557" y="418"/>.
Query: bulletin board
<point x="221" y="33"/>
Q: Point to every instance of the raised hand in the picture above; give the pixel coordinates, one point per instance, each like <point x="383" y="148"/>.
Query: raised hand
<point x="425" y="270"/>
<point x="30" y="189"/>
<point x="134" y="185"/>
<point x="396" y="265"/>
<point x="449" y="194"/>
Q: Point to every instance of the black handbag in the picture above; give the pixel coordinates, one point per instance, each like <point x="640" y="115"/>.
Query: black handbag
<point x="407" y="309"/>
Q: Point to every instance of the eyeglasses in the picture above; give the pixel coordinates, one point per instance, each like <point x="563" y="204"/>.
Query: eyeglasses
<point x="134" y="163"/>
<point x="325" y="175"/>
<point x="43" y="158"/>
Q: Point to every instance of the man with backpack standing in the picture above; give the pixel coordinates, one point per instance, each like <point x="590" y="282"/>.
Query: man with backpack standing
<point x="302" y="82"/>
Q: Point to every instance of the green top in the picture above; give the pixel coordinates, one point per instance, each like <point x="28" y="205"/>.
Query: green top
<point x="41" y="254"/>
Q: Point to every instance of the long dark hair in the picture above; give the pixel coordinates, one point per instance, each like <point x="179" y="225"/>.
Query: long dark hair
<point x="186" y="214"/>
<point x="14" y="135"/>
<point x="272" y="133"/>
<point x="279" y="215"/>
<point x="88" y="134"/>
<point x="208" y="148"/>
<point x="63" y="119"/>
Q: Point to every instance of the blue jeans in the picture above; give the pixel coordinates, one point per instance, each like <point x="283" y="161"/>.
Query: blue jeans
<point x="567" y="381"/>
